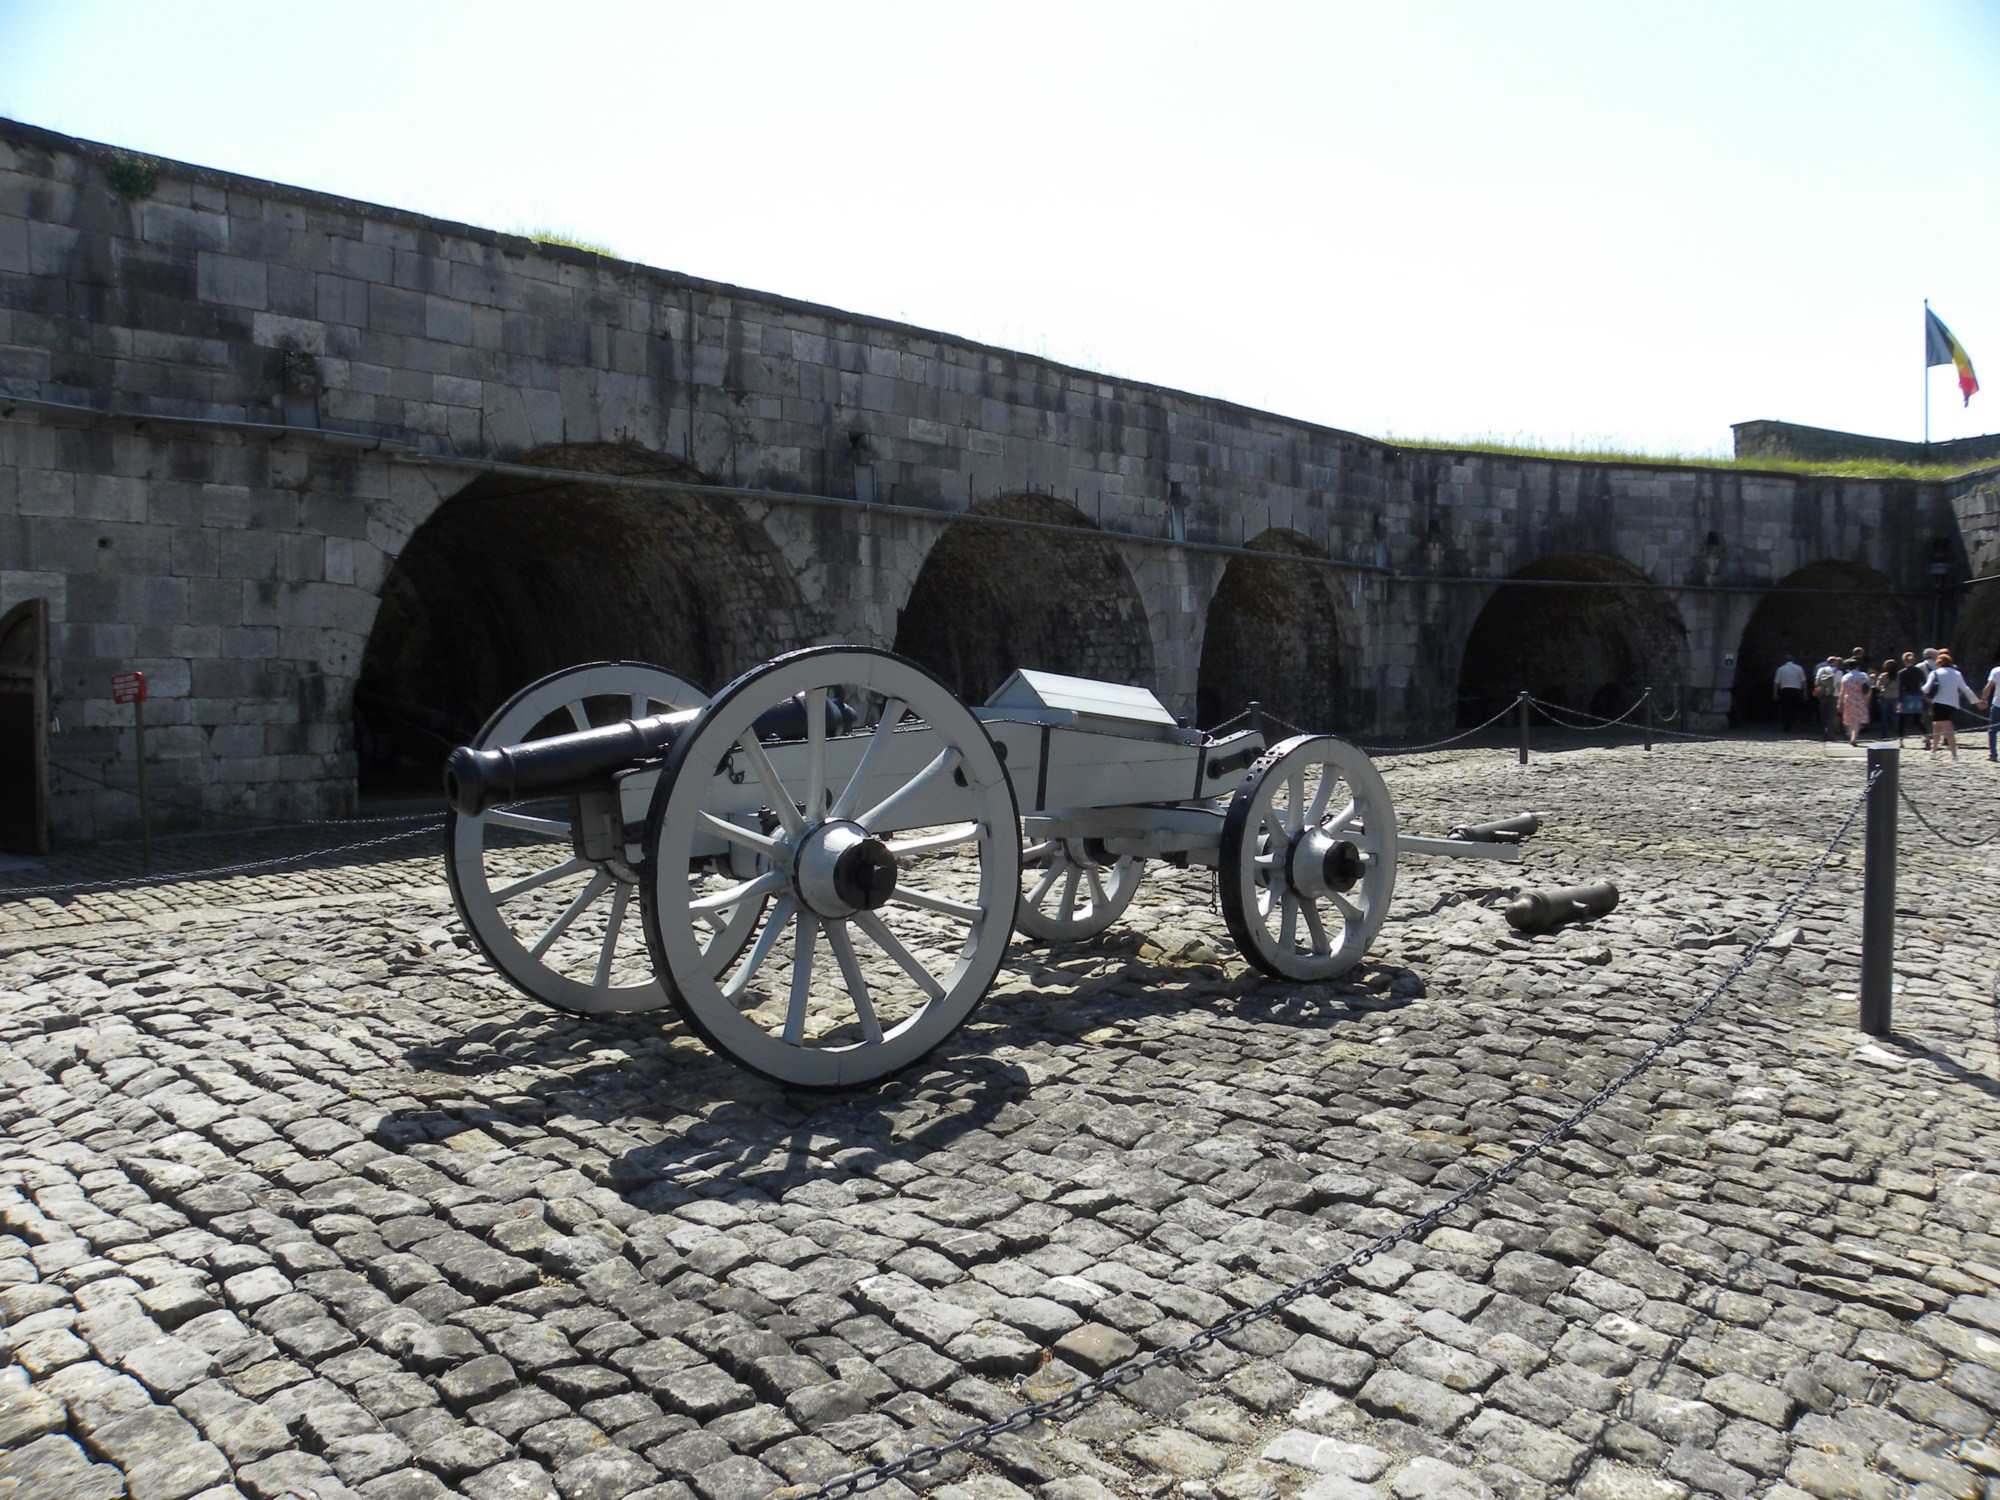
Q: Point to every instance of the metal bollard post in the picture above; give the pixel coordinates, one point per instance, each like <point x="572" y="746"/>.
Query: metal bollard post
<point x="1646" y="717"/>
<point x="1878" y="894"/>
<point x="1521" y="708"/>
<point x="1257" y="720"/>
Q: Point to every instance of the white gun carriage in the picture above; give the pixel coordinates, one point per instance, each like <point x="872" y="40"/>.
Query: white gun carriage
<point x="831" y="855"/>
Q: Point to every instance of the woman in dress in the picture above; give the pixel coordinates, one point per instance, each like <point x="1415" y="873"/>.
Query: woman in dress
<point x="1856" y="699"/>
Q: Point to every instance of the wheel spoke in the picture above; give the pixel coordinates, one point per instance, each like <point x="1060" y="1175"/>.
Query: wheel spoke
<point x="909" y="896"/>
<point x="857" y="784"/>
<point x="857" y="987"/>
<point x="611" y="926"/>
<point x="815" y="751"/>
<point x="1321" y="796"/>
<point x="879" y="933"/>
<point x="1066" y="906"/>
<point x="883" y="813"/>
<point x="1316" y="927"/>
<point x="579" y="716"/>
<point x="952" y="838"/>
<point x="736" y="833"/>
<point x="1047" y="882"/>
<point x="1098" y="895"/>
<point x="541" y="878"/>
<point x="781" y="800"/>
<point x="1349" y="912"/>
<point x="639" y="705"/>
<point x="750" y="890"/>
<point x="1295" y="803"/>
<point x="805" y="939"/>
<point x="553" y="828"/>
<point x="1345" y="819"/>
<point x="1288" y="921"/>
<point x="774" y="927"/>
<point x="557" y="928"/>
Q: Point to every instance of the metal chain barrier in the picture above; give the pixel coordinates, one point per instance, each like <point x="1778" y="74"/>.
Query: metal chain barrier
<point x="1551" y="710"/>
<point x="1464" y="734"/>
<point x="1075" y="1399"/>
<point x="1957" y="841"/>
<point x="173" y="877"/>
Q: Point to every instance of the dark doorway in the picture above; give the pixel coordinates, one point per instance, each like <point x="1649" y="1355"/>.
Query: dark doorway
<point x="1584" y="631"/>
<point x="990" y="599"/>
<point x="24" y="728"/>
<point x="1275" y="636"/>
<point x="515" y="578"/>
<point x="1824" y="609"/>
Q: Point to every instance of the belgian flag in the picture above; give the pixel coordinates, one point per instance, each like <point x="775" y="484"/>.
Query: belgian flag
<point x="1940" y="348"/>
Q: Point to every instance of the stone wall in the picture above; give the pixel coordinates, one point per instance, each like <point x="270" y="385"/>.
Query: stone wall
<point x="276" y="448"/>
<point x="1789" y="440"/>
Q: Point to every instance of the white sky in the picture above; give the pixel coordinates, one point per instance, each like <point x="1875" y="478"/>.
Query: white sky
<point x="1625" y="223"/>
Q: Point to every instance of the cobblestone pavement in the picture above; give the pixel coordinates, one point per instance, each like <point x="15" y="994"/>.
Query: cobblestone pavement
<point x="297" y="1198"/>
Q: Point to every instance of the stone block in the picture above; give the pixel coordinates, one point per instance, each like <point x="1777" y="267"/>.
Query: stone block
<point x="394" y="311"/>
<point x="231" y="280"/>
<point x="447" y="320"/>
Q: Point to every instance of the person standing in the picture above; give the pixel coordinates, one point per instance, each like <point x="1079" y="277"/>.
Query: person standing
<point x="1887" y="694"/>
<point x="1990" y="700"/>
<point x="1826" y="688"/>
<point x="1856" y="699"/>
<point x="1946" y="688"/>
<point x="1910" y="699"/>
<point x="1788" y="686"/>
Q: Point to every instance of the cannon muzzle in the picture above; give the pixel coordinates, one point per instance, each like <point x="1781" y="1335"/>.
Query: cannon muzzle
<point x="478" y="780"/>
<point x="1501" y="830"/>
<point x="1544" y="911"/>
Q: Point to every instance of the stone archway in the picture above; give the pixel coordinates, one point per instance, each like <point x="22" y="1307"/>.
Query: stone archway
<point x="1825" y="608"/>
<point x="1584" y="630"/>
<point x="1278" y="634"/>
<point x="990" y="599"/>
<point x="514" y="578"/>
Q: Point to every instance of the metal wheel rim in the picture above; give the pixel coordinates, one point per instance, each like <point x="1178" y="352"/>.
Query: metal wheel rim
<point x="1301" y="785"/>
<point x="1065" y="899"/>
<point x="562" y="976"/>
<point x="843" y="1025"/>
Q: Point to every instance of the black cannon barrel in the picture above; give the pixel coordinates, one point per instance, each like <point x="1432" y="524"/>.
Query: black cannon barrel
<point x="1500" y="830"/>
<point x="476" y="780"/>
<point x="1544" y="911"/>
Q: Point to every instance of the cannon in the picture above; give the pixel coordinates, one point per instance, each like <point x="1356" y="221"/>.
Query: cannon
<point x="831" y="855"/>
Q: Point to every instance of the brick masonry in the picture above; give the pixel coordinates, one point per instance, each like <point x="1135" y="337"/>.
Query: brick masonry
<point x="229" y="405"/>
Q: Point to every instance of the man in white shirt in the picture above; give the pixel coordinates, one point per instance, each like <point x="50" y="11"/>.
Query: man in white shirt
<point x="1788" y="686"/>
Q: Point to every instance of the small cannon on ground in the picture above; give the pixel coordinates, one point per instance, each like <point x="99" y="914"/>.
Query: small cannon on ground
<point x="832" y="854"/>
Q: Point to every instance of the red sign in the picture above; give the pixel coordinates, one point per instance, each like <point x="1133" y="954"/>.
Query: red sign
<point x="128" y="687"/>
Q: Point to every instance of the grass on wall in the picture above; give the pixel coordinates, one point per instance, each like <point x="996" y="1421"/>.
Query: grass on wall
<point x="1849" y="468"/>
<point x="547" y="236"/>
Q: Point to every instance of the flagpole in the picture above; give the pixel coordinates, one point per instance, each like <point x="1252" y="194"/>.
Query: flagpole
<point x="1927" y="375"/>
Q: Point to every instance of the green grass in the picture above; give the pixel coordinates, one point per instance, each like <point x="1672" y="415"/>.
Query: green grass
<point x="547" y="236"/>
<point x="1848" y="468"/>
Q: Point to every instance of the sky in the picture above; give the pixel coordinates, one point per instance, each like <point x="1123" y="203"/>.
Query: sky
<point x="1620" y="226"/>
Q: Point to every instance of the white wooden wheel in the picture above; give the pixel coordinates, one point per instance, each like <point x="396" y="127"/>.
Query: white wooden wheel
<point x="1308" y="858"/>
<point x="890" y="854"/>
<point x="561" y="927"/>
<point x="1071" y="891"/>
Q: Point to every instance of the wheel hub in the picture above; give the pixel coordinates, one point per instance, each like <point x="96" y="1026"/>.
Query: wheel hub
<point x="840" y="869"/>
<point x="1318" y="864"/>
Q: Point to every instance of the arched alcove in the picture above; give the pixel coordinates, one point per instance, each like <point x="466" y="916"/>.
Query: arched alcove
<point x="1278" y="634"/>
<point x="1826" y="608"/>
<point x="1583" y="630"/>
<point x="517" y="577"/>
<point x="991" y="598"/>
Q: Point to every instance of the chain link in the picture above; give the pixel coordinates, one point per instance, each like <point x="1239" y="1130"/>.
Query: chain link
<point x="1957" y="841"/>
<point x="174" y="877"/>
<point x="1079" y="1396"/>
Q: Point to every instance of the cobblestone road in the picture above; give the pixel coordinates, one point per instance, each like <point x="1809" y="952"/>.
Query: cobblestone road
<point x="297" y="1198"/>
